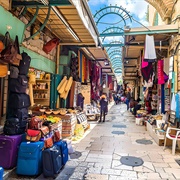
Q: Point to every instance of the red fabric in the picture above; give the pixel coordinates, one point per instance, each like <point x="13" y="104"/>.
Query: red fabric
<point x="160" y="72"/>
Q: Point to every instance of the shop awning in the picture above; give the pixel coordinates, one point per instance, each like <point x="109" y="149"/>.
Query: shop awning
<point x="134" y="43"/>
<point x="70" y="21"/>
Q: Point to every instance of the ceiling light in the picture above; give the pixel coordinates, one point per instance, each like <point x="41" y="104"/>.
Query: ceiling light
<point x="56" y="11"/>
<point x="73" y="34"/>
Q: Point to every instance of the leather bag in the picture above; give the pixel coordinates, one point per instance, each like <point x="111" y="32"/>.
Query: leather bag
<point x="44" y="131"/>
<point x="11" y="53"/>
<point x="33" y="135"/>
<point x="3" y="70"/>
<point x="48" y="142"/>
<point x="57" y="135"/>
<point x="50" y="45"/>
<point x="35" y="123"/>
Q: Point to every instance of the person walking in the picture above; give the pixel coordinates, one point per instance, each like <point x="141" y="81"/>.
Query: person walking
<point x="128" y="97"/>
<point x="103" y="107"/>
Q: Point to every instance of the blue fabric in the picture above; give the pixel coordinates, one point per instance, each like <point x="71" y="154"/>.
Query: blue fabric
<point x="177" y="98"/>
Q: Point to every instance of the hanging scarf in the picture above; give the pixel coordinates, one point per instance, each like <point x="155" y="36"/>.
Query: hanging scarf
<point x="160" y="72"/>
<point x="147" y="72"/>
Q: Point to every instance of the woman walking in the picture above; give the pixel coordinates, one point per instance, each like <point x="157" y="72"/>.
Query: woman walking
<point x="103" y="107"/>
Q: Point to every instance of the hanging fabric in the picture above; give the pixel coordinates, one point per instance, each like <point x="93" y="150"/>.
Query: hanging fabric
<point x="175" y="74"/>
<point x="177" y="98"/>
<point x="173" y="103"/>
<point x="160" y="72"/>
<point x="171" y="66"/>
<point x="150" y="52"/>
<point x="144" y="63"/>
<point x="147" y="72"/>
<point x="166" y="65"/>
<point x="173" y="82"/>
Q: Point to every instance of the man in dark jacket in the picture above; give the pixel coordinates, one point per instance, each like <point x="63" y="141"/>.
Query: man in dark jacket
<point x="103" y="107"/>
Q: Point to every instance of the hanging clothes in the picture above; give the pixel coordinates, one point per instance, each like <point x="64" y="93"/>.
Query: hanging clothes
<point x="150" y="52"/>
<point x="160" y="72"/>
<point x="147" y="72"/>
<point x="177" y="98"/>
<point x="171" y="62"/>
<point x="173" y="103"/>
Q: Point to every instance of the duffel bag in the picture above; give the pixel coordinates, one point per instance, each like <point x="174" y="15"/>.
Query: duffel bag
<point x="21" y="114"/>
<point x="14" y="126"/>
<point x="18" y="101"/>
<point x="18" y="85"/>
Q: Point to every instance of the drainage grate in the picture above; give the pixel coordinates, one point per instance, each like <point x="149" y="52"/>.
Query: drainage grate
<point x="131" y="161"/>
<point x="75" y="155"/>
<point x="144" y="141"/>
<point x="119" y="126"/>
<point x="118" y="132"/>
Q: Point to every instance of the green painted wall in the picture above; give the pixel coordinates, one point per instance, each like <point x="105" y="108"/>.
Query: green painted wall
<point x="7" y="19"/>
<point x="39" y="62"/>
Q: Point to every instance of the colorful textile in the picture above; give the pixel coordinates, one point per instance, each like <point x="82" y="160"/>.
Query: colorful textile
<point x="160" y="72"/>
<point x="147" y="72"/>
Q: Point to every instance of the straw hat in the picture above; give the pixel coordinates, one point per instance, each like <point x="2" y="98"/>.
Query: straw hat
<point x="103" y="96"/>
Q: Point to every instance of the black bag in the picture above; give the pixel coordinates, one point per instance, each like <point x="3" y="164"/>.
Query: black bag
<point x="18" y="101"/>
<point x="14" y="71"/>
<point x="18" y="85"/>
<point x="24" y="64"/>
<point x="14" y="126"/>
<point x="21" y="114"/>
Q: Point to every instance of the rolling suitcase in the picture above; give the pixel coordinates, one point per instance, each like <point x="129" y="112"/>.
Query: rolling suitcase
<point x="9" y="150"/>
<point x="64" y="150"/>
<point x="52" y="161"/>
<point x="30" y="158"/>
<point x="1" y="173"/>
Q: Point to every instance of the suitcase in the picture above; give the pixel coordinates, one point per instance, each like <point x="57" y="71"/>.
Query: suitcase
<point x="21" y="114"/>
<point x="18" y="85"/>
<point x="64" y="150"/>
<point x="52" y="161"/>
<point x="13" y="126"/>
<point x="18" y="101"/>
<point x="24" y="64"/>
<point x="9" y="150"/>
<point x="30" y="158"/>
<point x="1" y="173"/>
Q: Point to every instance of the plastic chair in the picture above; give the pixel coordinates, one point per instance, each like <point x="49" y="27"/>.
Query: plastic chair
<point x="174" y="138"/>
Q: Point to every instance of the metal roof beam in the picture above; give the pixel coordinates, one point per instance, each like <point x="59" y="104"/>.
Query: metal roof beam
<point x="111" y="34"/>
<point x="35" y="3"/>
<point x="114" y="45"/>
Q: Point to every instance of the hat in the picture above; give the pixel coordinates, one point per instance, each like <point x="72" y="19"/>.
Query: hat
<point x="103" y="96"/>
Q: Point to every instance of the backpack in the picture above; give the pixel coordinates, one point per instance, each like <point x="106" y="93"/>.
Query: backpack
<point x="24" y="64"/>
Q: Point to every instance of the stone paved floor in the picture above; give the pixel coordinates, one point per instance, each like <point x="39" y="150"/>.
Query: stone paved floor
<point x="100" y="152"/>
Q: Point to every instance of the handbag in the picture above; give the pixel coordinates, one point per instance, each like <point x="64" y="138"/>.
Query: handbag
<point x="50" y="45"/>
<point x="48" y="142"/>
<point x="56" y="136"/>
<point x="3" y="70"/>
<point x="33" y="135"/>
<point x="35" y="123"/>
<point x="11" y="53"/>
<point x="44" y="131"/>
